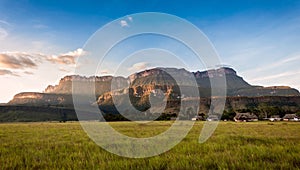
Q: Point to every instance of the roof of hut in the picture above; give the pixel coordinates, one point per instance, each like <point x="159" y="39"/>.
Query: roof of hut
<point x="245" y="116"/>
<point x="289" y="116"/>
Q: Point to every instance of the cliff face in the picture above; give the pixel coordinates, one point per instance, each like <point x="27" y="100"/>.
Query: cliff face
<point x="42" y="99"/>
<point x="101" y="84"/>
<point x="151" y="91"/>
<point x="152" y="79"/>
<point x="150" y="82"/>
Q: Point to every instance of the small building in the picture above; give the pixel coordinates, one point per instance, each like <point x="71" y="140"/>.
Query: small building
<point x="213" y="117"/>
<point x="197" y="118"/>
<point x="290" y="117"/>
<point x="245" y="117"/>
<point x="173" y="118"/>
<point x="274" y="118"/>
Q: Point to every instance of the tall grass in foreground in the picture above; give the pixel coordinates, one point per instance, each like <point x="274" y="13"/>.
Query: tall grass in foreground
<point x="233" y="146"/>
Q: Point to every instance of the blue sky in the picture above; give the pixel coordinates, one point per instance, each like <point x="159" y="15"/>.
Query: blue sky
<point x="260" y="39"/>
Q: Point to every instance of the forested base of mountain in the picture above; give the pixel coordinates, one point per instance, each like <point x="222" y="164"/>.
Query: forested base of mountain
<point x="262" y="107"/>
<point x="40" y="114"/>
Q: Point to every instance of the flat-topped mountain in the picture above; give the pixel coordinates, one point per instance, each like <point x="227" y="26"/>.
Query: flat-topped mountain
<point x="56" y="102"/>
<point x="102" y="84"/>
<point x="147" y="81"/>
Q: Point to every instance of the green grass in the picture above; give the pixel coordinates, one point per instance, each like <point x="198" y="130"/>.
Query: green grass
<point x="259" y="145"/>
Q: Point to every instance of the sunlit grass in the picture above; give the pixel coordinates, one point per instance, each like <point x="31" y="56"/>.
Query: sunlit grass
<point x="233" y="146"/>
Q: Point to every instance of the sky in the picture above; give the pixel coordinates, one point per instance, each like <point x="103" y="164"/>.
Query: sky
<point x="40" y="41"/>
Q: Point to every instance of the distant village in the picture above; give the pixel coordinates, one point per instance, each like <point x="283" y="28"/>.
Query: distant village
<point x="250" y="117"/>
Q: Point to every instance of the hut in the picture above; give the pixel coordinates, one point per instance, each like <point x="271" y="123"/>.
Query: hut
<point x="274" y="118"/>
<point x="245" y="117"/>
<point x="213" y="117"/>
<point x="197" y="118"/>
<point x="290" y="117"/>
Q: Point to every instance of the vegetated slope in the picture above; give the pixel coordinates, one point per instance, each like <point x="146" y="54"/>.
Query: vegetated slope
<point x="36" y="114"/>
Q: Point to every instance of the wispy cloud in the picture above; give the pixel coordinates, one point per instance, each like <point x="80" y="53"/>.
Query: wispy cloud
<point x="3" y="33"/>
<point x="284" y="72"/>
<point x="40" y="26"/>
<point x="4" y="22"/>
<point x="3" y="30"/>
<point x="139" y="66"/>
<point x="105" y="71"/>
<point x="277" y="64"/>
<point x="272" y="77"/>
<point x="21" y="61"/>
<point x="68" y="58"/>
<point x="64" y="70"/>
<point x="7" y="72"/>
<point x="28" y="72"/>
<point x="17" y="60"/>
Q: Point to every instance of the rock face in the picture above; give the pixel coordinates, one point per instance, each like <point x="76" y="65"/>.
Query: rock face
<point x="42" y="99"/>
<point x="148" y="82"/>
<point x="101" y="84"/>
<point x="153" y="89"/>
<point x="152" y="79"/>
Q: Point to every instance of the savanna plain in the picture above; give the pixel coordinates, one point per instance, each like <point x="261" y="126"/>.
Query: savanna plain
<point x="244" y="145"/>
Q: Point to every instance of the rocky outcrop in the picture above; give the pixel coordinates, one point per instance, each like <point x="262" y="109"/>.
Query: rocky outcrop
<point x="215" y="72"/>
<point x="101" y="84"/>
<point x="152" y="81"/>
<point x="42" y="99"/>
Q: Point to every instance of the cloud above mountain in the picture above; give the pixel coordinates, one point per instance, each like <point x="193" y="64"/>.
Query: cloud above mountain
<point x="6" y="72"/>
<point x="139" y="66"/>
<point x="12" y="63"/>
<point x="17" y="60"/>
<point x="66" y="58"/>
<point x="21" y="60"/>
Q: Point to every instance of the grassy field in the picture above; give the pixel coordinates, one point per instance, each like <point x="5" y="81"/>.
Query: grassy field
<point x="260" y="145"/>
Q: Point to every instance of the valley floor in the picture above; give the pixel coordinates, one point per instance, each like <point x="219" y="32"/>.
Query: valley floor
<point x="253" y="145"/>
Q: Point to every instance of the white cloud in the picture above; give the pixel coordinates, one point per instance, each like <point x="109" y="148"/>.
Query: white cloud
<point x="275" y="65"/>
<point x="124" y="23"/>
<point x="67" y="58"/>
<point x="105" y="71"/>
<point x="18" y="61"/>
<point x="139" y="66"/>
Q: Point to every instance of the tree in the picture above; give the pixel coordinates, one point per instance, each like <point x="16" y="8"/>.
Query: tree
<point x="63" y="115"/>
<point x="298" y="113"/>
<point x="228" y="114"/>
